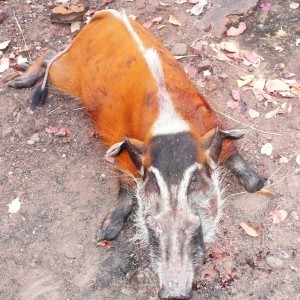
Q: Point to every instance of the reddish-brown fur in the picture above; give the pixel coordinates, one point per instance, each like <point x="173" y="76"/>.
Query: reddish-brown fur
<point x="106" y="70"/>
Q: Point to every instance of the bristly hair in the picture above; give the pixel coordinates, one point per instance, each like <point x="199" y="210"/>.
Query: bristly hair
<point x="39" y="96"/>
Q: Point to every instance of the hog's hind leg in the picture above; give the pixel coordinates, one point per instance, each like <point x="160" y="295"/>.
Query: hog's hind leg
<point x="114" y="221"/>
<point x="35" y="72"/>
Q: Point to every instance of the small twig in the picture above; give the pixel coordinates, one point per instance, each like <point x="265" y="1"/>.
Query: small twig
<point x="297" y="170"/>
<point x="50" y="112"/>
<point x="284" y="164"/>
<point x="185" y="56"/>
<point x="21" y="31"/>
<point x="249" y="126"/>
<point x="78" y="108"/>
<point x="235" y="194"/>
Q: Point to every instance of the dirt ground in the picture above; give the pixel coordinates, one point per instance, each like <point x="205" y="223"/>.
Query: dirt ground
<point x="47" y="248"/>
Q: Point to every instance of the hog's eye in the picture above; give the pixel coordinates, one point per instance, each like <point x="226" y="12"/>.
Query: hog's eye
<point x="197" y="182"/>
<point x="152" y="185"/>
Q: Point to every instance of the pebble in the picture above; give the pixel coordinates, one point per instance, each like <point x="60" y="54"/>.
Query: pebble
<point x="75" y="27"/>
<point x="223" y="76"/>
<point x="30" y="142"/>
<point x="179" y="49"/>
<point x="197" y="48"/>
<point x="204" y="65"/>
<point x="274" y="262"/>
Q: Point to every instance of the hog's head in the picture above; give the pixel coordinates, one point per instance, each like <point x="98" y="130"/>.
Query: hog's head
<point x="179" y="203"/>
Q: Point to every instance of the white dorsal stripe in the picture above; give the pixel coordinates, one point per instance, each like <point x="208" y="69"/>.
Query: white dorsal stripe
<point x="168" y="121"/>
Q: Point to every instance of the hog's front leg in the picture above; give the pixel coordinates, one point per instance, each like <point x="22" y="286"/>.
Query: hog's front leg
<point x="248" y="177"/>
<point x="114" y="221"/>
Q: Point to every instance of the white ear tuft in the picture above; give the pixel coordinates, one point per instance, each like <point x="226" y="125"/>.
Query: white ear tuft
<point x="113" y="151"/>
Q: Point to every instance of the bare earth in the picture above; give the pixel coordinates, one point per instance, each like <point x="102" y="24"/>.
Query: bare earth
<point x="47" y="249"/>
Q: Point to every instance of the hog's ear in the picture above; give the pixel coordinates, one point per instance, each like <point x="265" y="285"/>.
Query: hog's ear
<point x="134" y="147"/>
<point x="212" y="142"/>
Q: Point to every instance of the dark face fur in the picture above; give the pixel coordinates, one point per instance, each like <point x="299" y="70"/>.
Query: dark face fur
<point x="179" y="207"/>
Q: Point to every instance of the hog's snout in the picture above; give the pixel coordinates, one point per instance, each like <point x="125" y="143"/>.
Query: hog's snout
<point x="174" y="290"/>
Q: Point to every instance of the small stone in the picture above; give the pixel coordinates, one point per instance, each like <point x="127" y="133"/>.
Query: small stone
<point x="35" y="137"/>
<point x="70" y="14"/>
<point x="44" y="150"/>
<point x="179" y="49"/>
<point x="64" y="155"/>
<point x="274" y="262"/>
<point x="30" y="142"/>
<point x="223" y="76"/>
<point x="75" y="27"/>
<point x="197" y="48"/>
<point x="204" y="65"/>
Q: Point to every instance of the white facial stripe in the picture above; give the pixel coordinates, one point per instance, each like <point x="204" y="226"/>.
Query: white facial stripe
<point x="182" y="192"/>
<point x="168" y="121"/>
<point x="164" y="192"/>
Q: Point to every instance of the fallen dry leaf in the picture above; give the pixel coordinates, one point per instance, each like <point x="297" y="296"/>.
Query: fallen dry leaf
<point x="229" y="46"/>
<point x="4" y="44"/>
<point x="264" y="192"/>
<point x="248" y="229"/>
<point x="253" y="113"/>
<point x="233" y="104"/>
<point x="232" y="31"/>
<point x="259" y="83"/>
<point x="198" y="8"/>
<point x="163" y="3"/>
<point x="265" y="6"/>
<point x="14" y="206"/>
<point x="174" y="21"/>
<point x="4" y="64"/>
<point x="287" y="94"/>
<point x="245" y="80"/>
<point x="105" y="244"/>
<point x="220" y="55"/>
<point x="278" y="215"/>
<point x="276" y="85"/>
<point x="266" y="149"/>
<point x="252" y="57"/>
<point x="272" y="113"/>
